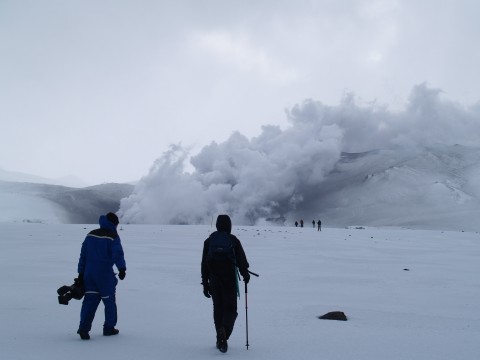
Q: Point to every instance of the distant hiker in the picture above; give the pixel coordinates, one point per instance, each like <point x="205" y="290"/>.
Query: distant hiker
<point x="313" y="223"/>
<point x="101" y="249"/>
<point x="301" y="223"/>
<point x="296" y="223"/>
<point x="319" y="224"/>
<point x="222" y="255"/>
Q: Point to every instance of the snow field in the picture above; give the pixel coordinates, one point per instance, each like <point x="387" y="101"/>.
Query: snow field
<point x="408" y="294"/>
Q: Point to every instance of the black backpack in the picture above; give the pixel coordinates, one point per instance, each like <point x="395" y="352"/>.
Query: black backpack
<point x="221" y="249"/>
<point x="221" y="258"/>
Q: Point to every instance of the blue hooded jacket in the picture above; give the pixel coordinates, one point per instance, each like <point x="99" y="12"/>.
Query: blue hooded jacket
<point x="101" y="249"/>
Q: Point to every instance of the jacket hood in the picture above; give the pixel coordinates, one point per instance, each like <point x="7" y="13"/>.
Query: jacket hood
<point x="106" y="224"/>
<point x="224" y="223"/>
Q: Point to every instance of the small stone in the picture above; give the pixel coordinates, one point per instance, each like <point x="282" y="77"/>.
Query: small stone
<point x="334" y="315"/>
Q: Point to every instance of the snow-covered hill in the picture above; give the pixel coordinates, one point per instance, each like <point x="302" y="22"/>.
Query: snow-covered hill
<point x="432" y="187"/>
<point x="44" y="203"/>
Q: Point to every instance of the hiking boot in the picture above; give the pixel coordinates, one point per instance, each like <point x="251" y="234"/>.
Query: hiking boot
<point x="222" y="344"/>
<point x="110" y="331"/>
<point x="83" y="334"/>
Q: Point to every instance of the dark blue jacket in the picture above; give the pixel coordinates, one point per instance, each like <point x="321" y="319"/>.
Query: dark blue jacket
<point x="101" y="249"/>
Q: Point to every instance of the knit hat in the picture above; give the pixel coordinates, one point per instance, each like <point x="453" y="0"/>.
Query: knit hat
<point x="113" y="218"/>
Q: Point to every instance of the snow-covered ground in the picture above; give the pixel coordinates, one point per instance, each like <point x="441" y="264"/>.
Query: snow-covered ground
<point x="408" y="294"/>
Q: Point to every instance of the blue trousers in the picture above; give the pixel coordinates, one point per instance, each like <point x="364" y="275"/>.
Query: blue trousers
<point x="99" y="288"/>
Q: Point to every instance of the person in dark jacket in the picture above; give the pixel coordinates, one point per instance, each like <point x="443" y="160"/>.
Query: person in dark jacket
<point x="101" y="249"/>
<point x="219" y="280"/>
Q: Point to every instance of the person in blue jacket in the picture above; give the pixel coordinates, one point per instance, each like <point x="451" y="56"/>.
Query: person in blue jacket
<point x="101" y="249"/>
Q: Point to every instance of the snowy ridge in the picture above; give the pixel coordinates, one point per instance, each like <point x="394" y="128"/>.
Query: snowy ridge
<point x="43" y="203"/>
<point x="434" y="187"/>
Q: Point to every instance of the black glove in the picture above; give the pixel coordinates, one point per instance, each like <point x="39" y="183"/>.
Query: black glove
<point x="122" y="273"/>
<point x="79" y="280"/>
<point x="246" y="278"/>
<point x="206" y="290"/>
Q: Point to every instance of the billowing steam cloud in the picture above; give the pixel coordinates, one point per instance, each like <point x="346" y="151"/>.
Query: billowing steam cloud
<point x="270" y="177"/>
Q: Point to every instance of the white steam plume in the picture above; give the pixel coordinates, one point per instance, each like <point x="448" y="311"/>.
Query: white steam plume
<point x="268" y="177"/>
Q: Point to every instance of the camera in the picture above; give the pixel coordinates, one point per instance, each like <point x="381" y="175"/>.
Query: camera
<point x="74" y="291"/>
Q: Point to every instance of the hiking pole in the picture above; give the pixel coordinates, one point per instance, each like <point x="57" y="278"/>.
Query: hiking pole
<point x="246" y="311"/>
<point x="246" y="305"/>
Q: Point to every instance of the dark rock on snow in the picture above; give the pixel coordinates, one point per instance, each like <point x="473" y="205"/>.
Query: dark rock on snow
<point x="334" y="315"/>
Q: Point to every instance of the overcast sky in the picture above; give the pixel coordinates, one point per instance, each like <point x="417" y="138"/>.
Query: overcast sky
<point x="99" y="89"/>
